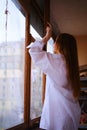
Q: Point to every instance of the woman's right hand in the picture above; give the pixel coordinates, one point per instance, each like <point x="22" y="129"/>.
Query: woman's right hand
<point x="48" y="30"/>
<point x="48" y="33"/>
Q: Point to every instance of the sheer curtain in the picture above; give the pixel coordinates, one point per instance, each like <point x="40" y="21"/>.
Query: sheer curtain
<point x="11" y="65"/>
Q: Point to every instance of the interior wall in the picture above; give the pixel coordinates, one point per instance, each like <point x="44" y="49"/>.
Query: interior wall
<point x="82" y="49"/>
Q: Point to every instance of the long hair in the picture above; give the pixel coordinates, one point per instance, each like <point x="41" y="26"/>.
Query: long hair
<point x="68" y="48"/>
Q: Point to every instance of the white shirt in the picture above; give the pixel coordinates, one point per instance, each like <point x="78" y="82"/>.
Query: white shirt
<point x="60" y="110"/>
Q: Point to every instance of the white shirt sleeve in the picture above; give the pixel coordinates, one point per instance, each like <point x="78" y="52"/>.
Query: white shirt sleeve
<point x="39" y="56"/>
<point x="36" y="44"/>
<point x="52" y="65"/>
<point x="46" y="61"/>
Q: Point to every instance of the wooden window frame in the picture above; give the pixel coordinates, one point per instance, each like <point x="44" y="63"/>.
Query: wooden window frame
<point x="21" y="5"/>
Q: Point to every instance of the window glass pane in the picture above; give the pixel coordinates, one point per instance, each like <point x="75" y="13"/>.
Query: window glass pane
<point x="36" y="92"/>
<point x="36" y="85"/>
<point x="50" y="45"/>
<point x="11" y="65"/>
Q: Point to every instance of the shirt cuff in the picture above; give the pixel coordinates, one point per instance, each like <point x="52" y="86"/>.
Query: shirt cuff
<point x="35" y="44"/>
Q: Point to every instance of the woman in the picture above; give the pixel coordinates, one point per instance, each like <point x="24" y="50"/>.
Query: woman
<point x="61" y="110"/>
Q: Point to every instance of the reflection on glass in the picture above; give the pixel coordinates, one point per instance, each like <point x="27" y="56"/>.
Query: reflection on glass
<point x="11" y="67"/>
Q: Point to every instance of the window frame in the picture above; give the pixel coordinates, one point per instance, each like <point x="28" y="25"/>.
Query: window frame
<point x="23" y="6"/>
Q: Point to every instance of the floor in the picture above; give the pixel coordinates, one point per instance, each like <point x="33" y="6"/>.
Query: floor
<point x="42" y="129"/>
<point x="37" y="129"/>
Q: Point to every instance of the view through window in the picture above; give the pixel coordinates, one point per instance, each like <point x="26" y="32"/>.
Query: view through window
<point x="36" y="85"/>
<point x="12" y="32"/>
<point x="36" y="81"/>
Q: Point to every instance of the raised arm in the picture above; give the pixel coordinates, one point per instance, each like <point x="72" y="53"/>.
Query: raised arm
<point x="48" y="33"/>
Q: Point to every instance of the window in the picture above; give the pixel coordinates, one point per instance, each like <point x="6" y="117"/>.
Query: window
<point x="36" y="85"/>
<point x="50" y="45"/>
<point x="36" y="81"/>
<point x="11" y="65"/>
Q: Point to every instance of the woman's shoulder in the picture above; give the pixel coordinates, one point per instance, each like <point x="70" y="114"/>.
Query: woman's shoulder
<point x="58" y="56"/>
